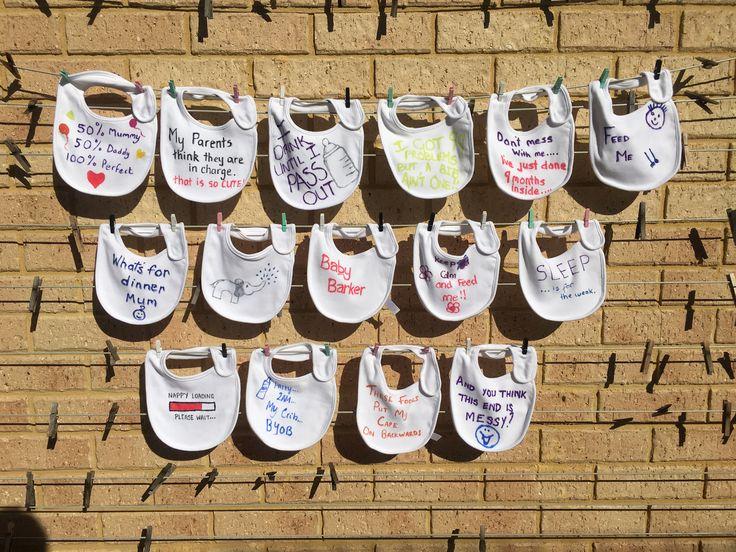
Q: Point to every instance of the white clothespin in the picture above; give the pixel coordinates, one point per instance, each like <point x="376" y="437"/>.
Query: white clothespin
<point x="468" y="345"/>
<point x="483" y="219"/>
<point x="158" y="346"/>
<point x="321" y="221"/>
<point x="282" y="94"/>
<point x="173" y="222"/>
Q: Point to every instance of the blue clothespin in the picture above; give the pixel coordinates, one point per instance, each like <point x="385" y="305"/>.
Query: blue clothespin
<point x="283" y="222"/>
<point x="556" y="87"/>
<point x="390" y="96"/>
<point x="530" y="217"/>
<point x="604" y="77"/>
<point x="172" y="89"/>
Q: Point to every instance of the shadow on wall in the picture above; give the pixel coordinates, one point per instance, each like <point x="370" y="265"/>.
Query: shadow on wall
<point x="21" y="531"/>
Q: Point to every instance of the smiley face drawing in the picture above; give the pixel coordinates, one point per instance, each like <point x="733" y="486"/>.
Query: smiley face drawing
<point x="139" y="313"/>
<point x="655" y="115"/>
<point x="487" y="436"/>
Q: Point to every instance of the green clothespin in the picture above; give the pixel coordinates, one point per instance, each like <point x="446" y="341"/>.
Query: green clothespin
<point x="172" y="89"/>
<point x="326" y="349"/>
<point x="604" y="77"/>
<point x="530" y="217"/>
<point x="64" y="75"/>
<point x="283" y="222"/>
<point x="556" y="87"/>
<point x="390" y="96"/>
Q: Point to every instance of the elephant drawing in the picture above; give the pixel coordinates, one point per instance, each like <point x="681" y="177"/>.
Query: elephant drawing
<point x="235" y="288"/>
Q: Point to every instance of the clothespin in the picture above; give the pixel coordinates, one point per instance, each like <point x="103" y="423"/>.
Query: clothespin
<point x="732" y="285"/>
<point x="374" y="349"/>
<point x="425" y="350"/>
<point x="219" y="221"/>
<point x="236" y="93"/>
<point x="708" y="358"/>
<point x="683" y="160"/>
<point x="394" y="7"/>
<point x="147" y="535"/>
<point x="726" y="420"/>
<point x="112" y="224"/>
<point x="530" y="218"/>
<point x="390" y="98"/>
<point x="53" y="428"/>
<point x="158" y="346"/>
<point x="641" y="222"/>
<point x="631" y="101"/>
<point x="468" y="345"/>
<point x="35" y="300"/>
<point x="208" y="13"/>
<point x="471" y="105"/>
<point x="64" y="75"/>
<point x="283" y="222"/>
<point x="172" y="89"/>
<point x="138" y="87"/>
<point x="162" y="476"/>
<point x="321" y="221"/>
<point x="556" y="86"/>
<point x="196" y="292"/>
<point x="30" y="491"/>
<point x="114" y="408"/>
<point x="282" y="94"/>
<point x="524" y="346"/>
<point x="451" y="94"/>
<point x="482" y="539"/>
<point x="17" y="154"/>
<point x="326" y="349"/>
<point x="707" y="63"/>
<point x="266" y="350"/>
<point x="647" y="360"/>
<point x="483" y="219"/>
<point x="431" y="221"/>
<point x="334" y="480"/>
<point x="731" y="215"/>
<point x="603" y="78"/>
<point x="347" y="96"/>
<point x="223" y="349"/>
<point x="173" y="223"/>
<point x="112" y="351"/>
<point x="586" y="218"/>
<point x="11" y="66"/>
<point x="702" y="101"/>
<point x="87" y="494"/>
<point x="76" y="233"/>
<point x="380" y="221"/>
<point x="657" y="69"/>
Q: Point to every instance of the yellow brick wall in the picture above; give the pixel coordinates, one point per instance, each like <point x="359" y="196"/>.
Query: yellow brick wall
<point x="579" y="470"/>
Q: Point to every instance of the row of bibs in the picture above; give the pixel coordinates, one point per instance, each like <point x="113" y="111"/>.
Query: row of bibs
<point x="312" y="170"/>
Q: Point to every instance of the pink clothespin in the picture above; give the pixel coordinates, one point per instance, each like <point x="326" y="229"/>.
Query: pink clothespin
<point x="451" y="94"/>
<point x="236" y="93"/>
<point x="425" y="350"/>
<point x="586" y="218"/>
<point x="138" y="87"/>
<point x="219" y="221"/>
<point x="266" y="350"/>
<point x="374" y="349"/>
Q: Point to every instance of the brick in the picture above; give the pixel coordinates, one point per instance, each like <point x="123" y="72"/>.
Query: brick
<point x="9" y="257"/>
<point x="316" y="327"/>
<point x="554" y="482"/>
<point x="636" y="325"/>
<point x="595" y="444"/>
<point x="496" y="521"/>
<point x="335" y="74"/>
<point x="345" y="445"/>
<point x="52" y="332"/>
<point x="649" y="482"/>
<point x="102" y="494"/>
<point x="50" y="525"/>
<point x="647" y="545"/>
<point x="624" y="286"/>
<point x="29" y="452"/>
<point x="15" y="331"/>
<point x="516" y="325"/>
<point x="698" y="200"/>
<point x="272" y="523"/>
<point x="125" y="524"/>
<point x="12" y="412"/>
<point x="726" y="325"/>
<point x="430" y="487"/>
<point x="508" y="31"/>
<point x="553" y="402"/>
<point x="354" y="486"/>
<point x="133" y="450"/>
<point x="244" y="448"/>
<point x="416" y="327"/>
<point x="625" y="29"/>
<point x="452" y="449"/>
<point x="640" y="399"/>
<point x="59" y="299"/>
<point x="97" y="406"/>
<point x="126" y="32"/>
<point x="708" y="29"/>
<point x="705" y="294"/>
<point x="673" y="521"/>
<point x="685" y="366"/>
<point x="383" y="522"/>
<point x="700" y="443"/>
<point x="427" y="75"/>
<point x="595" y="367"/>
<point x="665" y="245"/>
<point x="42" y="373"/>
<point x="570" y="202"/>
<point x="284" y="34"/>
<point x="701" y="125"/>
<point x="30" y="33"/>
<point x="592" y="522"/>
<point x="711" y="81"/>
<point x="353" y="33"/>
<point x="216" y="73"/>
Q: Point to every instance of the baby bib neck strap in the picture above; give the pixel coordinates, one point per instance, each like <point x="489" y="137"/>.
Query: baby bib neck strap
<point x="143" y="103"/>
<point x="324" y="364"/>
<point x="429" y="375"/>
<point x="243" y="112"/>
<point x="385" y="242"/>
<point x="560" y="106"/>
<point x="660" y="90"/>
<point x="486" y="239"/>
<point x="350" y="117"/>
<point x="591" y="237"/>
<point x="223" y="366"/>
<point x="524" y="365"/>
<point x="453" y="110"/>
<point x="283" y="242"/>
<point x="176" y="242"/>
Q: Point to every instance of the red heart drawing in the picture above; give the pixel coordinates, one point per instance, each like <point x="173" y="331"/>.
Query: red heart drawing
<point x="95" y="178"/>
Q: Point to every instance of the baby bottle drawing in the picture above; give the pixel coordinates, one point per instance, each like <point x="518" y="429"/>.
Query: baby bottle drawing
<point x="264" y="388"/>
<point x="341" y="168"/>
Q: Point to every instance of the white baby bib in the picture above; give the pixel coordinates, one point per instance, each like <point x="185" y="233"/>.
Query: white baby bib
<point x="350" y="288"/>
<point x="431" y="161"/>
<point x="534" y="163"/>
<point x="97" y="155"/>
<point x="136" y="289"/>
<point x="247" y="287"/>
<point x="393" y="421"/>
<point x="291" y="413"/>
<point x="640" y="150"/>
<point x="196" y="412"/>
<point x="492" y="414"/>
<point x="201" y="162"/>
<point x="456" y="287"/>
<point x="315" y="170"/>
<point x="567" y="287"/>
